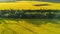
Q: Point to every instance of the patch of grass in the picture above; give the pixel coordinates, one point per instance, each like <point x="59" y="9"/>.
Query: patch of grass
<point x="39" y="22"/>
<point x="36" y="22"/>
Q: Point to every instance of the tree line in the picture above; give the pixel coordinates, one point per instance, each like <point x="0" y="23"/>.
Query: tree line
<point x="29" y="13"/>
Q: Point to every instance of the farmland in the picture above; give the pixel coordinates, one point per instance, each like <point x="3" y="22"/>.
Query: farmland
<point x="29" y="26"/>
<point x="12" y="23"/>
<point x="29" y="5"/>
<point x="18" y="25"/>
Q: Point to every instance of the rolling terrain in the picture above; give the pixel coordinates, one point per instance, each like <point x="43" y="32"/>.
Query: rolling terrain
<point x="29" y="5"/>
<point x="25" y="26"/>
<point x="29" y="26"/>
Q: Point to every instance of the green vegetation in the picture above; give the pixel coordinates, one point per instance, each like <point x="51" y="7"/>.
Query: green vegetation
<point x="36" y="17"/>
<point x="36" y="22"/>
<point x="35" y="14"/>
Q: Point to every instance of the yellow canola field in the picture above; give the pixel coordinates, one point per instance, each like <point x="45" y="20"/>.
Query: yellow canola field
<point x="29" y="5"/>
<point x="22" y="27"/>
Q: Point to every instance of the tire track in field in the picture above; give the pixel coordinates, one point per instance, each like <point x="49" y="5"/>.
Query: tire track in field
<point x="6" y="26"/>
<point x="24" y="22"/>
<point x="35" y="30"/>
<point x="17" y="25"/>
<point x="51" y="26"/>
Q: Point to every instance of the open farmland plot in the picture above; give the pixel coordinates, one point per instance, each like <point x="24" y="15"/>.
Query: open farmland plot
<point x="29" y="26"/>
<point x="32" y="5"/>
<point x="36" y="17"/>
